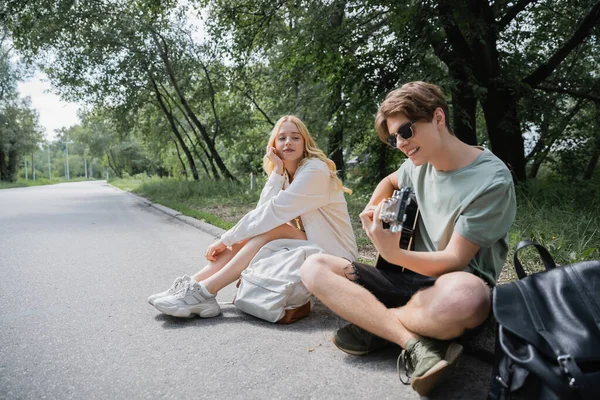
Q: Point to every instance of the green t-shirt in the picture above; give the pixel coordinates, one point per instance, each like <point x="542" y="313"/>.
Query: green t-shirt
<point x="477" y="201"/>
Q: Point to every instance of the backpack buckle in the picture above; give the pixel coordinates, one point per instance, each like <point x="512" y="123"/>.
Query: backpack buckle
<point x="565" y="362"/>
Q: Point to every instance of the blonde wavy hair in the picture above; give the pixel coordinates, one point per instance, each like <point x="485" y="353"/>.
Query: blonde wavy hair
<point x="310" y="150"/>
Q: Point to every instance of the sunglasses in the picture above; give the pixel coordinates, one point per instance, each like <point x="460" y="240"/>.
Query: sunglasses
<point x="405" y="132"/>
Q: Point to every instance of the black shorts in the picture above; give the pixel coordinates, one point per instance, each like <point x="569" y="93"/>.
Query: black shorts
<point x="393" y="286"/>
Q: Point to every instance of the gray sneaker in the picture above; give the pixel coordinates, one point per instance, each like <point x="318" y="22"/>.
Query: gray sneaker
<point x="191" y="299"/>
<point x="178" y="284"/>
<point x="426" y="362"/>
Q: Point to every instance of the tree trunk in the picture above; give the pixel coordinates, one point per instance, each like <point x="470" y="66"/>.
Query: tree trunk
<point x="336" y="149"/>
<point x="504" y="130"/>
<point x="198" y="142"/>
<point x="382" y="166"/>
<point x="13" y="164"/>
<point x="112" y="163"/>
<point x="589" y="170"/>
<point x="335" y="139"/>
<point x="169" y="115"/>
<point x="3" y="166"/>
<point x="464" y="106"/>
<point x="194" y="149"/>
<point x="209" y="143"/>
<point x="183" y="168"/>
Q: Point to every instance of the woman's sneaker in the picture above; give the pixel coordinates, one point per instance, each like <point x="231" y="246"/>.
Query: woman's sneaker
<point x="177" y="285"/>
<point x="193" y="298"/>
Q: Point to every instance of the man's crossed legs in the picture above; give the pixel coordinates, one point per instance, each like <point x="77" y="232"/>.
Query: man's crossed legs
<point x="418" y="313"/>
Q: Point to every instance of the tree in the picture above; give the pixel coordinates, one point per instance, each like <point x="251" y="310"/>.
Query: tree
<point x="498" y="52"/>
<point x="20" y="134"/>
<point x="121" y="55"/>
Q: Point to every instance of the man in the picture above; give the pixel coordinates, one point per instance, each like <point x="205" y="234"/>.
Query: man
<point x="442" y="288"/>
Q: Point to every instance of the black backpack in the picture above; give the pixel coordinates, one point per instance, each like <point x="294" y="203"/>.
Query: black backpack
<point x="548" y="339"/>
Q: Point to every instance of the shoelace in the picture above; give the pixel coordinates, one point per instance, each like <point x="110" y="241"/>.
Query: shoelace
<point x="178" y="284"/>
<point x="409" y="360"/>
<point x="184" y="290"/>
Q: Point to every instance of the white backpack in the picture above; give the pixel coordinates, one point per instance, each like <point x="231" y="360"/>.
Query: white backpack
<point x="270" y="288"/>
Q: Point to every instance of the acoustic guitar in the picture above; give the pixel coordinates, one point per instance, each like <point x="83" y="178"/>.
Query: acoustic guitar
<point x="400" y="213"/>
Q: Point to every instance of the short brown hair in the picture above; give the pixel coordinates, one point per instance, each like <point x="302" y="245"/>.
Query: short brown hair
<point x="416" y="100"/>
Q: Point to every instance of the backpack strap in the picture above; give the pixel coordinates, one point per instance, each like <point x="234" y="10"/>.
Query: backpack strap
<point x="565" y="362"/>
<point x="544" y="255"/>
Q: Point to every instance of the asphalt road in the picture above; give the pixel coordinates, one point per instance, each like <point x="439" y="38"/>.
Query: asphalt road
<point x="77" y="263"/>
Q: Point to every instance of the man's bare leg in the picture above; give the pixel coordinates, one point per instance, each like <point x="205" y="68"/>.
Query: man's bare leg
<point x="325" y="276"/>
<point x="456" y="302"/>
<point x="231" y="271"/>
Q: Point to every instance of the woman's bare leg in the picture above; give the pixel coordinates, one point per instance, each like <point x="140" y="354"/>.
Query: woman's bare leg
<point x="222" y="259"/>
<point x="239" y="261"/>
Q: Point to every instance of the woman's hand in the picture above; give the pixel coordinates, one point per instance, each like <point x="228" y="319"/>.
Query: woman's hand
<point x="213" y="251"/>
<point x="272" y="155"/>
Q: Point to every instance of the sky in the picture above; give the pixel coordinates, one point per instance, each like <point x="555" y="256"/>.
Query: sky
<point x="54" y="113"/>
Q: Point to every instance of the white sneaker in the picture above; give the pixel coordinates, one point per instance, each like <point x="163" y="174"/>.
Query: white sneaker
<point x="178" y="284"/>
<point x="191" y="299"/>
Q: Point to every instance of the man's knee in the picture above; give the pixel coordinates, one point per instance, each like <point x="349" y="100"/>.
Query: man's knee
<point x="317" y="266"/>
<point x="464" y="295"/>
<point x="310" y="270"/>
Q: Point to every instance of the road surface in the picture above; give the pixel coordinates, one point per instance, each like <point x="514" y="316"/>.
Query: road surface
<point x="77" y="263"/>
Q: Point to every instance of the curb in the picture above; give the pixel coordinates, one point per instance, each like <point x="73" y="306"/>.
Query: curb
<point x="212" y="230"/>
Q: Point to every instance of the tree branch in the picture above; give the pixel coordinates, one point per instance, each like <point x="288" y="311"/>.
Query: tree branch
<point x="581" y="33"/>
<point x="245" y="93"/>
<point x="511" y="13"/>
<point x="571" y="92"/>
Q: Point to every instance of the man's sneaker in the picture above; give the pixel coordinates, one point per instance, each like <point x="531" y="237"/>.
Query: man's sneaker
<point x="354" y="340"/>
<point x="191" y="299"/>
<point x="426" y="362"/>
<point x="178" y="284"/>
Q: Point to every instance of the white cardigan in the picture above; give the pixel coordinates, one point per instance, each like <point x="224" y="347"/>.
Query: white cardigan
<point x="313" y="196"/>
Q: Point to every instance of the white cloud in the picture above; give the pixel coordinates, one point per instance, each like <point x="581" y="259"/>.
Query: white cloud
<point x="54" y="113"/>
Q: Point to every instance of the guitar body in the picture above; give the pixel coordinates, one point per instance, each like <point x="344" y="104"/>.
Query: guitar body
<point x="408" y="213"/>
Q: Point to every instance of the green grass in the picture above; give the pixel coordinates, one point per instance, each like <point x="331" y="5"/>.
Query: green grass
<point x="564" y="219"/>
<point x="39" y="182"/>
<point x="220" y="203"/>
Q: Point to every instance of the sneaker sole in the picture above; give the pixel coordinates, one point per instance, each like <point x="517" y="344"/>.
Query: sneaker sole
<point x="352" y="352"/>
<point x="188" y="312"/>
<point x="425" y="383"/>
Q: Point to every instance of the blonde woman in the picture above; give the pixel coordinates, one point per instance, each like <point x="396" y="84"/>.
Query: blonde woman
<point x="302" y="199"/>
